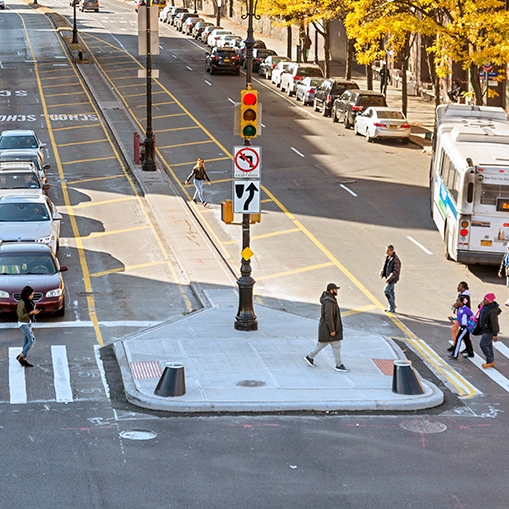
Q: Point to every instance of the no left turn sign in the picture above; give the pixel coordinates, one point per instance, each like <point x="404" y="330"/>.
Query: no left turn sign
<point x="247" y="162"/>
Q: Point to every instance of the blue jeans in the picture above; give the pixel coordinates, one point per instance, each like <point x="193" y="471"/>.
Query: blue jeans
<point x="486" y="345"/>
<point x="198" y="184"/>
<point x="389" y="293"/>
<point x="29" y="338"/>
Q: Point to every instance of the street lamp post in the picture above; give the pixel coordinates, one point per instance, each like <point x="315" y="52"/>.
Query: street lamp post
<point x="149" y="159"/>
<point x="195" y="10"/>
<point x="74" y="25"/>
<point x="246" y="319"/>
<point x="218" y="13"/>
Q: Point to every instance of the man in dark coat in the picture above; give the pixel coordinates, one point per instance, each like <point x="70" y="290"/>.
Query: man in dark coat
<point x="390" y="272"/>
<point x="488" y="321"/>
<point x="330" y="328"/>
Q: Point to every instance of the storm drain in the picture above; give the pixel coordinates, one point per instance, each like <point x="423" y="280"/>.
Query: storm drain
<point x="138" y="434"/>
<point x="419" y="426"/>
<point x="251" y="383"/>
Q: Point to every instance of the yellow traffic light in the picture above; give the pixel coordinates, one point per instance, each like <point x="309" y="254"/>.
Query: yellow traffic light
<point x="249" y="113"/>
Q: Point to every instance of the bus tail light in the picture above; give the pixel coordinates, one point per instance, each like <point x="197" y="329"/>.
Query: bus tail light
<point x="464" y="228"/>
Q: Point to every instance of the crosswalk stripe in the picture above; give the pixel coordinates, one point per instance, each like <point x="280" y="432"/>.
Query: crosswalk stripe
<point x="495" y="375"/>
<point x="61" y="376"/>
<point x="17" y="385"/>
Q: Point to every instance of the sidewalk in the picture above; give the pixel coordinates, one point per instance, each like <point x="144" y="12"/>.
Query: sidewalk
<point x="227" y="370"/>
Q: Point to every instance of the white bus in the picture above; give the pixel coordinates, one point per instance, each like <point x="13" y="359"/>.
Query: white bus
<point x="469" y="181"/>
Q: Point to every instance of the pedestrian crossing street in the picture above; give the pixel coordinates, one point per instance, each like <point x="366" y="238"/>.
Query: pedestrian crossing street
<point x="55" y="378"/>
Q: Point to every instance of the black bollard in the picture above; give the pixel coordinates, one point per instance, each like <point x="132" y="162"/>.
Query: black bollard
<point x="404" y="379"/>
<point x="172" y="382"/>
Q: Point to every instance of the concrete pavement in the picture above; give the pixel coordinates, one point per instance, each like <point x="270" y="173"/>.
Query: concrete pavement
<point x="227" y="370"/>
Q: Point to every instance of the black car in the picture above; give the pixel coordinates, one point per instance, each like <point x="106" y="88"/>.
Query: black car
<point x="241" y="51"/>
<point x="352" y="102"/>
<point x="329" y="91"/>
<point x="222" y="60"/>
<point x="259" y="55"/>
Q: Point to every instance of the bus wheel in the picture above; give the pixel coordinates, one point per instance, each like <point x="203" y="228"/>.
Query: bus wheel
<point x="446" y="242"/>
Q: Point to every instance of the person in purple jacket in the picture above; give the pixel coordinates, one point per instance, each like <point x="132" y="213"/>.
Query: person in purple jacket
<point x="463" y="313"/>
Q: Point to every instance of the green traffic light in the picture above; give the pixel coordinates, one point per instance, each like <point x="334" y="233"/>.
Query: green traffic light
<point x="249" y="131"/>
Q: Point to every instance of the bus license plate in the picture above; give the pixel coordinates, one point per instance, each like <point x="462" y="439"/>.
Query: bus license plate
<point x="487" y="243"/>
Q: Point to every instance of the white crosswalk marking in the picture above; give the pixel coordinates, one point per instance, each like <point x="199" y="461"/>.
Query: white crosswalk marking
<point x="17" y="386"/>
<point x="495" y="375"/>
<point x="61" y="376"/>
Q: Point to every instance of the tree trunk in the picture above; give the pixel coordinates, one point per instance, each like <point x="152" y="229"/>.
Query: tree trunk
<point x="476" y="83"/>
<point x="404" y="68"/>
<point x="326" y="47"/>
<point x="369" y="76"/>
<point x="349" y="58"/>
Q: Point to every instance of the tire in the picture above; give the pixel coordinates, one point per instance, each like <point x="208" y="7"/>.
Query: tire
<point x="298" y="99"/>
<point x="289" y="91"/>
<point x="237" y="73"/>
<point x="405" y="141"/>
<point x="346" y="121"/>
<point x="446" y="242"/>
<point x="369" y="139"/>
<point x="212" y="72"/>
<point x="325" y="113"/>
<point x="355" y="130"/>
<point x="315" y="106"/>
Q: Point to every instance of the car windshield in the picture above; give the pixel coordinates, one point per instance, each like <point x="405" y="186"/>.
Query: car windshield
<point x="226" y="53"/>
<point x="10" y="157"/>
<point x="309" y="71"/>
<point x="19" y="181"/>
<point x="315" y="82"/>
<point x="14" y="142"/>
<point x="264" y="53"/>
<point x="19" y="264"/>
<point x="339" y="88"/>
<point x="23" y="212"/>
<point x="371" y="100"/>
<point x="396" y="115"/>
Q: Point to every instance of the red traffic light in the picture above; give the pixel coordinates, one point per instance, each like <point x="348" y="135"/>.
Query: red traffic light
<point x="249" y="99"/>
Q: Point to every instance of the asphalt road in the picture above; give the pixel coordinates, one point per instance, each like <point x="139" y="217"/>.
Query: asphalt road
<point x="122" y="278"/>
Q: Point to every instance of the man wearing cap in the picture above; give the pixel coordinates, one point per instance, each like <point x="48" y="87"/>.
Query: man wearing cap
<point x="488" y="321"/>
<point x="330" y="328"/>
<point x="390" y="272"/>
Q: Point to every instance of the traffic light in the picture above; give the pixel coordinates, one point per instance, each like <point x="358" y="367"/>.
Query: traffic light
<point x="249" y="121"/>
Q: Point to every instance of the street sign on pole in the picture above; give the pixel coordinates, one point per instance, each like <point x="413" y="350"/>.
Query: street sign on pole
<point x="246" y="196"/>
<point x="247" y="161"/>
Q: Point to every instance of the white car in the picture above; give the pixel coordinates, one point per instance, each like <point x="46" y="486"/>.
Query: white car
<point x="295" y="74"/>
<point x="2" y="4"/>
<point x="21" y="140"/>
<point x="29" y="217"/>
<point x="225" y="40"/>
<point x="278" y="71"/>
<point x="382" y="123"/>
<point x="215" y="35"/>
<point x="306" y="90"/>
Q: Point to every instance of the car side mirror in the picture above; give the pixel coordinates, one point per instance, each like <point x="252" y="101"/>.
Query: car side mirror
<point x="43" y="145"/>
<point x="64" y="268"/>
<point x="46" y="167"/>
<point x="45" y="187"/>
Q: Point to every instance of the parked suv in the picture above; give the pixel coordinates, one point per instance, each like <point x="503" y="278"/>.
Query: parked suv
<point x="294" y="75"/>
<point x="352" y="102"/>
<point x="329" y="91"/>
<point x="259" y="55"/>
<point x="241" y="51"/>
<point x="89" y="5"/>
<point x="222" y="59"/>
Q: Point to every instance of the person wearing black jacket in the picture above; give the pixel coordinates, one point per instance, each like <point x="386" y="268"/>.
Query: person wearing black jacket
<point x="390" y="272"/>
<point x="488" y="321"/>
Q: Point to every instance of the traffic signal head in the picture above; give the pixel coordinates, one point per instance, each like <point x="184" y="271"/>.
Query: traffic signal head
<point x="249" y="120"/>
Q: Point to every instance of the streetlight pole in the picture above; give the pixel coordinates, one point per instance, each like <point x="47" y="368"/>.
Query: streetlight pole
<point x="218" y="13"/>
<point x="149" y="159"/>
<point x="74" y="25"/>
<point x="195" y="11"/>
<point x="246" y="319"/>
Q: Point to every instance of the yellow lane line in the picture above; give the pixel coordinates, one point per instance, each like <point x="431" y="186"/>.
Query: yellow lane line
<point x="72" y="182"/>
<point x="87" y="204"/>
<point x="66" y="94"/>
<point x="86" y="126"/>
<point x="128" y="268"/>
<point x="172" y="129"/>
<point x="364" y="309"/>
<point x="88" y="142"/>
<point x="61" y="105"/>
<point x="80" y="161"/>
<point x="144" y="94"/>
<point x="264" y="236"/>
<point x="94" y="235"/>
<point x="209" y="160"/>
<point x="60" y="85"/>
<point x="155" y="104"/>
<point x="295" y="271"/>
<point x="186" y="144"/>
<point x="266" y="200"/>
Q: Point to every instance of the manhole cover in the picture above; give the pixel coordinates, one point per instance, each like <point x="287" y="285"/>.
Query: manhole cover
<point x="138" y="434"/>
<point x="419" y="426"/>
<point x="251" y="383"/>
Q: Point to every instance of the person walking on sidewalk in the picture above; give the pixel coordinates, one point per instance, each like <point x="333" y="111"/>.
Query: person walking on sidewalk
<point x="330" y="328"/>
<point x="488" y="321"/>
<point x="385" y="76"/>
<point x="390" y="272"/>
<point x="200" y="175"/>
<point x="463" y="313"/>
<point x="463" y="291"/>
<point x="25" y="310"/>
<point x="504" y="269"/>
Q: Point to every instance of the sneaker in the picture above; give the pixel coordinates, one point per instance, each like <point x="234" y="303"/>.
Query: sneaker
<point x="27" y="364"/>
<point x="310" y="361"/>
<point x="489" y="365"/>
<point x="389" y="310"/>
<point x="205" y="203"/>
<point x="342" y="368"/>
<point x="507" y="303"/>
<point x="451" y="349"/>
<point x="465" y="354"/>
<point x="451" y="356"/>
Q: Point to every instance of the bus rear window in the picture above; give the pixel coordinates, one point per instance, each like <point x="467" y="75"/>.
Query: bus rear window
<point x="491" y="192"/>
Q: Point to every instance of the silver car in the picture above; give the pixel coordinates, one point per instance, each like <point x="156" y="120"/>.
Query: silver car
<point x="31" y="156"/>
<point x="34" y="218"/>
<point x="19" y="139"/>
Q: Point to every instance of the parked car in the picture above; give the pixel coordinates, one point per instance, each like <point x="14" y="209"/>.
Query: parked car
<point x="199" y="28"/>
<point x="181" y="18"/>
<point x="305" y="91"/>
<point x="222" y="60"/>
<point x="173" y="13"/>
<point x="208" y="30"/>
<point x="241" y="50"/>
<point x="259" y="55"/>
<point x="382" y="123"/>
<point x="2" y="4"/>
<point x="89" y="5"/>
<point x="215" y="35"/>
<point x="138" y="4"/>
<point x="27" y="155"/>
<point x="280" y="68"/>
<point x="353" y="102"/>
<point x="296" y="73"/>
<point x="329" y="91"/>
<point x="31" y="264"/>
<point x="187" y="27"/>
<point x="265" y="68"/>
<point x="163" y="15"/>
<point x="29" y="218"/>
<point x="21" y="140"/>
<point x="20" y="175"/>
<point x="225" y="40"/>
